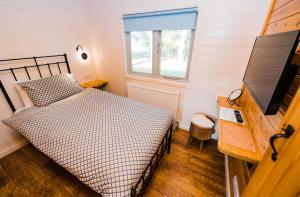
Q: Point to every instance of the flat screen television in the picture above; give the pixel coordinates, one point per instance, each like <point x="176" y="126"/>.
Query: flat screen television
<point x="270" y="72"/>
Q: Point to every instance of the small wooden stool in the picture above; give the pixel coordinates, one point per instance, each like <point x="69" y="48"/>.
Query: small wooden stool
<point x="202" y="127"/>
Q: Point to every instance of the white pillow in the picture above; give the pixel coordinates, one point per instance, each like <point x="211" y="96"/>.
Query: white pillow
<point x="24" y="96"/>
<point x="27" y="101"/>
<point x="71" y="77"/>
<point x="21" y="109"/>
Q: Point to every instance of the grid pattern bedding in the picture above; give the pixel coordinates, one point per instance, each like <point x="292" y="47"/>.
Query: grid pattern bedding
<point x="105" y="140"/>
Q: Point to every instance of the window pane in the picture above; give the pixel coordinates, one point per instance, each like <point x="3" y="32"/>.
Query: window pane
<point x="141" y="51"/>
<point x="175" y="46"/>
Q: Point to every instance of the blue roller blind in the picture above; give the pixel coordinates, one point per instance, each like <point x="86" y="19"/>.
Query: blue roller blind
<point x="162" y="20"/>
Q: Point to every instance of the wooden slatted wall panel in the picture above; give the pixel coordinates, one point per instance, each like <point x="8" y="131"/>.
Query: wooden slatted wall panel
<point x="285" y="16"/>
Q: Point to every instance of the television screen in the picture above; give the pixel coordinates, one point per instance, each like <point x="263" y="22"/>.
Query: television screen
<point x="270" y="72"/>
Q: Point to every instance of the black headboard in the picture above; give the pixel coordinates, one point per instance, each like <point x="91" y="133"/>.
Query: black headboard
<point x="25" y="68"/>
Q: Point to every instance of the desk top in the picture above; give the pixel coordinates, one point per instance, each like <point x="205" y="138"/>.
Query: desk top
<point x="236" y="139"/>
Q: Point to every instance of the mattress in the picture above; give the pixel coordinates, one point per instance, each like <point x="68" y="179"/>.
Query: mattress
<point x="105" y="140"/>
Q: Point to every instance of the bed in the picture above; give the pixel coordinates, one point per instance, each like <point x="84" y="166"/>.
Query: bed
<point x="112" y="144"/>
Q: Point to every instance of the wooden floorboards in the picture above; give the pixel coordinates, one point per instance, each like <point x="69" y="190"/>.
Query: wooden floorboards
<point x="187" y="171"/>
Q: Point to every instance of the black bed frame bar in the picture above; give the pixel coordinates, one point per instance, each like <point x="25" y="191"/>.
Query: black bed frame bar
<point x="140" y="187"/>
<point x="37" y="66"/>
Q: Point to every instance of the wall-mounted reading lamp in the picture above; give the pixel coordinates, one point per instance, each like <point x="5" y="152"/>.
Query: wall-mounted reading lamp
<point x="84" y="55"/>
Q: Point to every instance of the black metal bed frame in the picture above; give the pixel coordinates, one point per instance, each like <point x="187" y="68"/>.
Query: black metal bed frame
<point x="140" y="187"/>
<point x="37" y="66"/>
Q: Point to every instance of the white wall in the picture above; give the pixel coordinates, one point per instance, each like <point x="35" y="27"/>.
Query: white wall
<point x="35" y="28"/>
<point x="225" y="34"/>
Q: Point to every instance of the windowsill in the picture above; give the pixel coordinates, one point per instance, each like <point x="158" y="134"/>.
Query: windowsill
<point x="162" y="81"/>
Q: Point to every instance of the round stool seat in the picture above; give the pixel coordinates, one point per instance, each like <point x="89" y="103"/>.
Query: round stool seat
<point x="202" y="121"/>
<point x="202" y="127"/>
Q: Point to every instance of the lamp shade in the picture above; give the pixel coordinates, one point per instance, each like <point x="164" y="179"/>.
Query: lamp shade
<point x="84" y="56"/>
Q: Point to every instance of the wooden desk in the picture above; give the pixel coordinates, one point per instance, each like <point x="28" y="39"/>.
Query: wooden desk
<point x="236" y="139"/>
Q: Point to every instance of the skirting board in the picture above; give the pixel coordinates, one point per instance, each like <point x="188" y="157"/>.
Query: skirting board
<point x="13" y="147"/>
<point x="183" y="127"/>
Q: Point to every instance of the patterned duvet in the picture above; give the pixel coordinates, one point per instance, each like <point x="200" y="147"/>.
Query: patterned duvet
<point x="106" y="141"/>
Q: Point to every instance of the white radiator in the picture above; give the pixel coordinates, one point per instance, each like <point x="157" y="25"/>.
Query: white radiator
<point x="164" y="99"/>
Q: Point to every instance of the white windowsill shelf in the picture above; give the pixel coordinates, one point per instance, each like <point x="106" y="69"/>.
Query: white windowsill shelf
<point x="162" y="81"/>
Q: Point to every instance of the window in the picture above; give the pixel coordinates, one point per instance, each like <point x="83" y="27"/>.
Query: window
<point x="141" y="52"/>
<point x="159" y="44"/>
<point x="174" y="53"/>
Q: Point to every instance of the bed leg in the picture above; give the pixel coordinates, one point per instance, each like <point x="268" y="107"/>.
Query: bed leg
<point x="133" y="192"/>
<point x="170" y="139"/>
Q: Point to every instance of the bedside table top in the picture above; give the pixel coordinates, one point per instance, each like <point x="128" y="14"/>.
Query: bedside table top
<point x="94" y="83"/>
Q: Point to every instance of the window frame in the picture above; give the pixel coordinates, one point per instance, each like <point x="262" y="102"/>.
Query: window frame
<point x="156" y="55"/>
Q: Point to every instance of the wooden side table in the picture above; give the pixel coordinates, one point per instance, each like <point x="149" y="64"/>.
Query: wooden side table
<point x="98" y="83"/>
